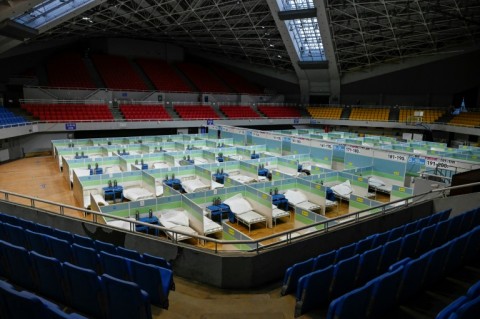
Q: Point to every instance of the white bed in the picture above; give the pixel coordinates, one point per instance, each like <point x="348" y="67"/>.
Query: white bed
<point x="98" y="199"/>
<point x="160" y="165"/>
<point x="216" y="185"/>
<point x="244" y="212"/>
<point x="176" y="220"/>
<point x="122" y="224"/>
<point x="244" y="179"/>
<point x="158" y="190"/>
<point x="136" y="193"/>
<point x="378" y="185"/>
<point x="200" y="160"/>
<point x="278" y="213"/>
<point x="192" y="184"/>
<point x="112" y="169"/>
<point x="300" y="200"/>
<point x="210" y="227"/>
<point x="236" y="157"/>
<point x="343" y="190"/>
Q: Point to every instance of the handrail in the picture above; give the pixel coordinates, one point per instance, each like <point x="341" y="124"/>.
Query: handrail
<point x="355" y="217"/>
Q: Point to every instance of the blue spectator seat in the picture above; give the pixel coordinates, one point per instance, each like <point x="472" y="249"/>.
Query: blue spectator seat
<point x="344" y="276"/>
<point x="83" y="241"/>
<point x="454" y="227"/>
<point x="396" y="232"/>
<point x="413" y="277"/>
<point x="37" y="242"/>
<point x="369" y="262"/>
<point x="390" y="253"/>
<point x="15" y="235"/>
<point x="115" y="266"/>
<point x="409" y="245"/>
<point x="156" y="281"/>
<point x="155" y="260"/>
<point x="345" y="252"/>
<point x="380" y="239"/>
<point x="43" y="229"/>
<point x="86" y="257"/>
<point x="138" y="305"/>
<point x="61" y="234"/>
<point x="363" y="245"/>
<point x="384" y="293"/>
<point x="469" y="310"/>
<point x="48" y="276"/>
<point x="129" y="253"/>
<point x="313" y="290"/>
<point x="425" y="241"/>
<point x="60" y="249"/>
<point x="441" y="231"/>
<point x="19" y="268"/>
<point x="106" y="247"/>
<point x="324" y="260"/>
<point x="436" y="264"/>
<point x="410" y="227"/>
<point x="85" y="291"/>
<point x="293" y="273"/>
<point x="353" y="304"/>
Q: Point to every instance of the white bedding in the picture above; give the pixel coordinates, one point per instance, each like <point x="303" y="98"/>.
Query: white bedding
<point x="244" y="179"/>
<point x="194" y="185"/>
<point x="160" y="165"/>
<point x="112" y="169"/>
<point x="122" y="224"/>
<point x="216" y="185"/>
<point x="278" y="213"/>
<point x="300" y="200"/>
<point x="343" y="189"/>
<point x="200" y="160"/>
<point x="176" y="220"/>
<point x="244" y="211"/>
<point x="98" y="199"/>
<point x="158" y="190"/>
<point x="210" y="227"/>
<point x="379" y="185"/>
<point x="136" y="193"/>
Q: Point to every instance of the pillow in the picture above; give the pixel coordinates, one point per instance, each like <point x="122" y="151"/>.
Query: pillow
<point x="158" y="190"/>
<point x="295" y="197"/>
<point x="176" y="217"/>
<point x="375" y="182"/>
<point x="343" y="189"/>
<point x="238" y="204"/>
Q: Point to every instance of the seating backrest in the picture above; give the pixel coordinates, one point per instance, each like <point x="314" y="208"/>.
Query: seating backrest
<point x="156" y="281"/>
<point x="138" y="305"/>
<point x="86" y="257"/>
<point x="84" y="290"/>
<point x="384" y="293"/>
<point x="115" y="266"/>
<point x="19" y="268"/>
<point x="48" y="276"/>
<point x="344" y="276"/>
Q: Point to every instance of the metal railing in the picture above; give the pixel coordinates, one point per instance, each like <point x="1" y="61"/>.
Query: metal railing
<point x="288" y="235"/>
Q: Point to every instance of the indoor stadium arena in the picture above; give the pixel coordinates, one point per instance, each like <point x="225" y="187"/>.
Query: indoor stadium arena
<point x="240" y="159"/>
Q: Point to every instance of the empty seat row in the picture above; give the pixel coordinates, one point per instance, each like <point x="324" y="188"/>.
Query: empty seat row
<point x="293" y="273"/>
<point x="407" y="278"/>
<point x="463" y="305"/>
<point x="20" y="304"/>
<point x="238" y="111"/>
<point x="28" y="234"/>
<point x="195" y="112"/>
<point x="376" y="261"/>
<point x="80" y="288"/>
<point x="163" y="75"/>
<point x="279" y="111"/>
<point x="68" y="70"/>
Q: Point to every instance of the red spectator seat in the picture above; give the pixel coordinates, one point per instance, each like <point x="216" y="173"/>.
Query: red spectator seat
<point x="238" y="111"/>
<point x="68" y="70"/>
<point x="69" y="112"/>
<point x="117" y="73"/>
<point x="235" y="81"/>
<point x="133" y="112"/>
<point x="203" y="78"/>
<point x="279" y="111"/>
<point x="163" y="76"/>
<point x="196" y="112"/>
